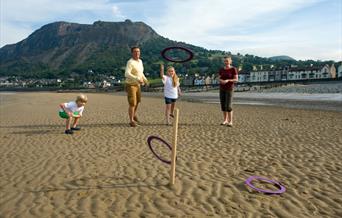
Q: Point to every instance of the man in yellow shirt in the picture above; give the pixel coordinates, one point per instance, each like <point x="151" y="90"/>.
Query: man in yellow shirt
<point x="135" y="77"/>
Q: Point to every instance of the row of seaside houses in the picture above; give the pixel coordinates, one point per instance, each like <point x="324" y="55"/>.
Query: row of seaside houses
<point x="292" y="73"/>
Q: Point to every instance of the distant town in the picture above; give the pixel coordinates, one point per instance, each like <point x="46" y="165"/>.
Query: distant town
<point x="257" y="75"/>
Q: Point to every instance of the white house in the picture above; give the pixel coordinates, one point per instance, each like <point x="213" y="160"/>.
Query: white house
<point x="259" y="76"/>
<point x="325" y="72"/>
<point x="243" y="77"/>
<point x="339" y="71"/>
<point x="295" y="74"/>
<point x="277" y="74"/>
<point x="309" y="73"/>
<point x="291" y="73"/>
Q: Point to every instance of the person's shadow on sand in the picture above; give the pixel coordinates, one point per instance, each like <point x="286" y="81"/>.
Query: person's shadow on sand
<point x="98" y="183"/>
<point x="43" y="129"/>
<point x="34" y="132"/>
<point x="87" y="125"/>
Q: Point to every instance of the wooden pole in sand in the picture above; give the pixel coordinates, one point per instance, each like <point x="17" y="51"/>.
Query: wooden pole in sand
<point x="174" y="148"/>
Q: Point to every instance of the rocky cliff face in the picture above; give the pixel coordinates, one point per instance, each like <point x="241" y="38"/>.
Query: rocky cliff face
<point x="62" y="43"/>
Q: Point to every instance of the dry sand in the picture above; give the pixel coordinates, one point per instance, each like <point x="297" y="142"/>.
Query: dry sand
<point x="107" y="169"/>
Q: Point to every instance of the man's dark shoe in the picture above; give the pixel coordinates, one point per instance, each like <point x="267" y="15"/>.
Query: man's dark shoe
<point x="76" y="128"/>
<point x="133" y="124"/>
<point x="69" y="131"/>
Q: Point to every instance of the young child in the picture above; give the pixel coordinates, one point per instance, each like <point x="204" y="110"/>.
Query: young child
<point x="73" y="109"/>
<point x="171" y="90"/>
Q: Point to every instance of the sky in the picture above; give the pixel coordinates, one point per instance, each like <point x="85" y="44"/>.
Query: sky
<point x="302" y="29"/>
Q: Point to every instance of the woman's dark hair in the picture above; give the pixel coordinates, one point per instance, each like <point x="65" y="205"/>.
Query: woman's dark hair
<point x="134" y="47"/>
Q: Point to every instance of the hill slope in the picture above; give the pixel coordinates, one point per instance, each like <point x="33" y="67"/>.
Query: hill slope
<point x="60" y="49"/>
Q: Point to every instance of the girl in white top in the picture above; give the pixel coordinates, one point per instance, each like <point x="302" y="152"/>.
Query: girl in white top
<point x="171" y="91"/>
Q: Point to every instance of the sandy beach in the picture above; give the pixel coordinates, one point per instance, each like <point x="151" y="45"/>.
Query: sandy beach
<point x="107" y="169"/>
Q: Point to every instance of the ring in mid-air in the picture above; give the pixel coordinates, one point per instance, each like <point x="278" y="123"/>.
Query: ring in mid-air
<point x="168" y="58"/>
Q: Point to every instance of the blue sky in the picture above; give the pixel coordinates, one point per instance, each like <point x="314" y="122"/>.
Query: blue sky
<point x="302" y="29"/>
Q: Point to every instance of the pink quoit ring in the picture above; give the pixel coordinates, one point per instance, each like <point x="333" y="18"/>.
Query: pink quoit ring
<point x="248" y="182"/>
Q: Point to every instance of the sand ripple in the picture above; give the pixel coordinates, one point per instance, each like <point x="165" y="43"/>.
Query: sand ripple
<point x="107" y="169"/>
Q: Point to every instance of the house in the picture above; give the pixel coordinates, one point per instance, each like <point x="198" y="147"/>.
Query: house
<point x="188" y="80"/>
<point x="325" y="72"/>
<point x="199" y="81"/>
<point x="284" y="74"/>
<point x="339" y="71"/>
<point x="214" y="79"/>
<point x="208" y="81"/>
<point x="259" y="76"/>
<point x="276" y="75"/>
<point x="243" y="76"/>
<point x="333" y="71"/>
<point x="309" y="73"/>
<point x="105" y="84"/>
<point x="89" y="85"/>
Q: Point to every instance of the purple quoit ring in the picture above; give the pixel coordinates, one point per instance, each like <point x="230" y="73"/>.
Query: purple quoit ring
<point x="149" y="140"/>
<point x="248" y="182"/>
<point x="163" y="54"/>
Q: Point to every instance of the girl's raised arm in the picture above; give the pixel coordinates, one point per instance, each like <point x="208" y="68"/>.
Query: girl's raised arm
<point x="161" y="70"/>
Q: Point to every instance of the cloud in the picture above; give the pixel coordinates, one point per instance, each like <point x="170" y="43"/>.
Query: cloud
<point x="183" y="19"/>
<point x="268" y="27"/>
<point x="37" y="10"/>
<point x="116" y="12"/>
<point x="25" y="16"/>
<point x="11" y="33"/>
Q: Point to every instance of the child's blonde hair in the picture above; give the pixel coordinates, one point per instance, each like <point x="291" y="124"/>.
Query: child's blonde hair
<point x="82" y="98"/>
<point x="175" y="78"/>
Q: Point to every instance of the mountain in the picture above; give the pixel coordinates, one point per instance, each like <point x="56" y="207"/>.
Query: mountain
<point x="63" y="49"/>
<point x="61" y="43"/>
<point x="282" y="58"/>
